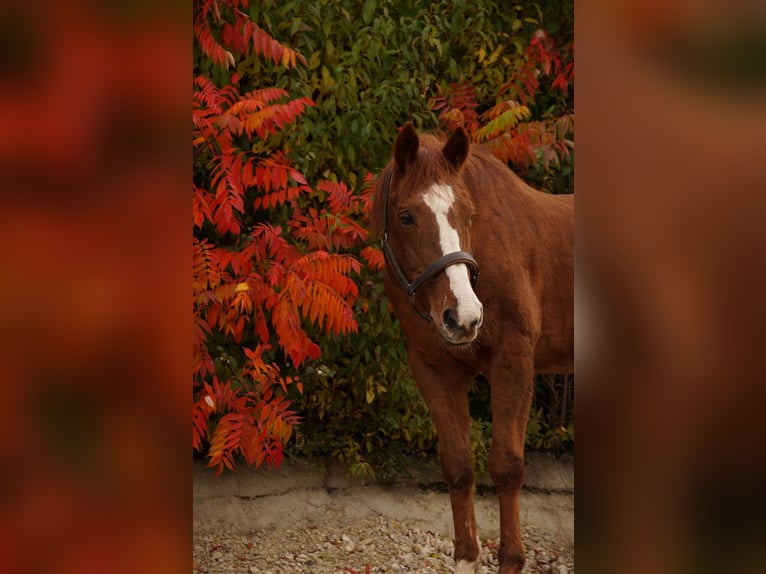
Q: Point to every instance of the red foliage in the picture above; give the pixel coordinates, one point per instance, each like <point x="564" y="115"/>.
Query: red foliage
<point x="520" y="146"/>
<point x="254" y="427"/>
<point x="541" y="57"/>
<point x="242" y="35"/>
<point x="457" y="107"/>
<point x="257" y="281"/>
<point x="506" y="128"/>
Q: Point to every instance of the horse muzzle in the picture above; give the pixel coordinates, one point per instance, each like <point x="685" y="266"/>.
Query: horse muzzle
<point x="461" y="330"/>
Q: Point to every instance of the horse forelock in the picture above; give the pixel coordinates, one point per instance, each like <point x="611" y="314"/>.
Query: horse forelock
<point x="430" y="166"/>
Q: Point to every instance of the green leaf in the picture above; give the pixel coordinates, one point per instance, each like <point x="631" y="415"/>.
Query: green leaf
<point x="327" y="79"/>
<point x="314" y="60"/>
<point x="368" y="11"/>
<point x="296" y="24"/>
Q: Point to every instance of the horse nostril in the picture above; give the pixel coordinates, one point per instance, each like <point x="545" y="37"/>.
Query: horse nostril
<point x="476" y="323"/>
<point x="449" y="319"/>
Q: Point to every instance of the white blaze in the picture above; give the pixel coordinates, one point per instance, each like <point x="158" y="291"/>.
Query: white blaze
<point x="440" y="198"/>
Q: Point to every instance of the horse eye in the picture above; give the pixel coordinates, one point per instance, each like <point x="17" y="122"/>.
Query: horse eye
<point x="406" y="219"/>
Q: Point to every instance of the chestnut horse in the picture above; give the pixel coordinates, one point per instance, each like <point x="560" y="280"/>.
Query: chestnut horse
<point x="480" y="273"/>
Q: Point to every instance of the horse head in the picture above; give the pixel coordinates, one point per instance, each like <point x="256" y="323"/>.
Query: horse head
<point x="427" y="215"/>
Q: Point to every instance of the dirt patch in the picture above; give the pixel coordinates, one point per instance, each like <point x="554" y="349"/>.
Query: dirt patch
<point x="310" y="517"/>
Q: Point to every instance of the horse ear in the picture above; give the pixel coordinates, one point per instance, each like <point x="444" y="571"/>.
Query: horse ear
<point x="456" y="148"/>
<point x="406" y="147"/>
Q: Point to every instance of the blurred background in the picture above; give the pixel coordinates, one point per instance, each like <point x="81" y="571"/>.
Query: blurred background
<point x="94" y="321"/>
<point x="670" y="238"/>
<point x="94" y="315"/>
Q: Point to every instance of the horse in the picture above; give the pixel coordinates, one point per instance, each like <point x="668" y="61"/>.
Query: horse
<point x="479" y="271"/>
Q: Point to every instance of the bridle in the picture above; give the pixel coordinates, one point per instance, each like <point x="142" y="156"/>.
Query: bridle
<point x="432" y="269"/>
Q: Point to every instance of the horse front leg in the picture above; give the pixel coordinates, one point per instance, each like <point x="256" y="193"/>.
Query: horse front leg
<point x="511" y="396"/>
<point x="446" y="394"/>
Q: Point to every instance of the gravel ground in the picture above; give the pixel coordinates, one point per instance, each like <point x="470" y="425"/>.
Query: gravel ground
<point x="365" y="545"/>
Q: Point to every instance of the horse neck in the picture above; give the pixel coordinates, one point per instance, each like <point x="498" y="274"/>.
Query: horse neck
<point x="488" y="178"/>
<point x="538" y="220"/>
